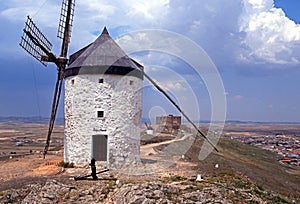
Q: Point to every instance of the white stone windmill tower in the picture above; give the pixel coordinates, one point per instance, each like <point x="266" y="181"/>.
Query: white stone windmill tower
<point x="103" y="104"/>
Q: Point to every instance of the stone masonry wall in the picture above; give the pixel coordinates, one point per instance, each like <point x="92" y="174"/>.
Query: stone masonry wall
<point x="120" y="97"/>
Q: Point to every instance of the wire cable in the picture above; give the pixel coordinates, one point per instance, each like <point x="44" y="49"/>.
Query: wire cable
<point x="36" y="89"/>
<point x="40" y="8"/>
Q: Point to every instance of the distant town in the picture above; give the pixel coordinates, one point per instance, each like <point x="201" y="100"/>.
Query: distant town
<point x="288" y="146"/>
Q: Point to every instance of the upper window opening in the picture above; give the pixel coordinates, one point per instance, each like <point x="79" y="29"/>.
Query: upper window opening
<point x="101" y="81"/>
<point x="100" y="114"/>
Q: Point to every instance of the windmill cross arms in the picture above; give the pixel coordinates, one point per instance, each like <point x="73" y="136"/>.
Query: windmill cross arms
<point x="37" y="43"/>
<point x="59" y="61"/>
<point x="49" y="57"/>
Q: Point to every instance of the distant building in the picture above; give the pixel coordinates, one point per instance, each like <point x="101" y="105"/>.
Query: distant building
<point x="150" y="131"/>
<point x="168" y="124"/>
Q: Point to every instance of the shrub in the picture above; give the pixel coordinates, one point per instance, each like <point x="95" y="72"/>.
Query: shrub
<point x="66" y="164"/>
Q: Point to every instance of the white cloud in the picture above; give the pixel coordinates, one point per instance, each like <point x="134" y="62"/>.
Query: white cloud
<point x="98" y="9"/>
<point x="270" y="36"/>
<point x="148" y="9"/>
<point x="167" y="78"/>
<point x="174" y="86"/>
<point x="251" y="31"/>
<point x="260" y="4"/>
<point x="18" y="10"/>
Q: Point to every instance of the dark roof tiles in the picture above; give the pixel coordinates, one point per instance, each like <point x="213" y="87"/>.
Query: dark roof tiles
<point x="104" y="51"/>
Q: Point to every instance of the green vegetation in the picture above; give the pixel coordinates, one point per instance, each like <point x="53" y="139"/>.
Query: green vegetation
<point x="2" y="193"/>
<point x="173" y="178"/>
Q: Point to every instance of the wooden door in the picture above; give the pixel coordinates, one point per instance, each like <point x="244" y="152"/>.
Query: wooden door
<point x="99" y="149"/>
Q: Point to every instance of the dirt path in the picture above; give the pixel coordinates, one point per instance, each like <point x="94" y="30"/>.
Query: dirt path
<point x="157" y="157"/>
<point x="148" y="149"/>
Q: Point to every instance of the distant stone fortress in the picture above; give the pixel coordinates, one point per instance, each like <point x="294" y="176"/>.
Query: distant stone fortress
<point x="168" y="124"/>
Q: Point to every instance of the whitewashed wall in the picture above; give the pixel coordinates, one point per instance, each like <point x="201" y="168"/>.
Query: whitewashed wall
<point x="121" y="101"/>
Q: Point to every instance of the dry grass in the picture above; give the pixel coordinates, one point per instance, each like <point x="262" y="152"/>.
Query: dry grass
<point x="261" y="166"/>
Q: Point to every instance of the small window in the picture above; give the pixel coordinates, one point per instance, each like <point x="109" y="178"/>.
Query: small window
<point x="130" y="82"/>
<point x="72" y="81"/>
<point x="101" y="81"/>
<point x="100" y="114"/>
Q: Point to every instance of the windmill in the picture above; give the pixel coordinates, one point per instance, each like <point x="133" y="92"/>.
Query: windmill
<point x="98" y="61"/>
<point x="37" y="45"/>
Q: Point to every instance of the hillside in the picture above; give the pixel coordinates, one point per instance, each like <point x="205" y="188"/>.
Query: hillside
<point x="244" y="174"/>
<point x="260" y="166"/>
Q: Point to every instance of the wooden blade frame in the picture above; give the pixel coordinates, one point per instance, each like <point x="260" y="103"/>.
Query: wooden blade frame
<point x="65" y="25"/>
<point x="34" y="41"/>
<point x="63" y="18"/>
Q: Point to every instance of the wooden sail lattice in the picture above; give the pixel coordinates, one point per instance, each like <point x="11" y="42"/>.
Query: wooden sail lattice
<point x="37" y="45"/>
<point x="63" y="18"/>
<point x="35" y="42"/>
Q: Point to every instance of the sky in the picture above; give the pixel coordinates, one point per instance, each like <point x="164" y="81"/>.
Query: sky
<point x="254" y="45"/>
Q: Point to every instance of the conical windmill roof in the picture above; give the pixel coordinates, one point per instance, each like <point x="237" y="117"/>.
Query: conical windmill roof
<point x="103" y="56"/>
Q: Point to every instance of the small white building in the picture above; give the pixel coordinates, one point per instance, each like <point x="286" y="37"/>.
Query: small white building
<point x="103" y="105"/>
<point x="149" y="131"/>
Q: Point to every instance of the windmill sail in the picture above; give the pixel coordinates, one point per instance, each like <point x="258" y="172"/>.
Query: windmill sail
<point x="37" y="45"/>
<point x="35" y="42"/>
<point x="66" y="7"/>
<point x="65" y="24"/>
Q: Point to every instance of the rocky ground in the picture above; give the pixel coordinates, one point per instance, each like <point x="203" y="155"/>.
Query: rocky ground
<point x="168" y="190"/>
<point x="48" y="183"/>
